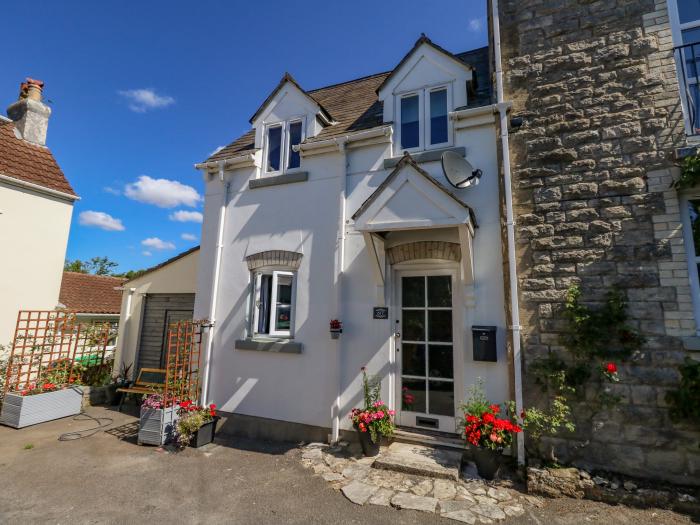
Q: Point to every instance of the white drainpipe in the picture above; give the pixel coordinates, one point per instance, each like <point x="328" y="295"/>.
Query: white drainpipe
<point x="343" y="189"/>
<point x="215" y="284"/>
<point x="510" y="227"/>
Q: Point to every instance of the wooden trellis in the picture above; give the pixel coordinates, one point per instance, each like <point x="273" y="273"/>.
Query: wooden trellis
<point x="182" y="378"/>
<point x="48" y="344"/>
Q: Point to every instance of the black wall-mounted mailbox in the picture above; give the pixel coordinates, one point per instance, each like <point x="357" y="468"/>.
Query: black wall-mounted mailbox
<point x="484" y="338"/>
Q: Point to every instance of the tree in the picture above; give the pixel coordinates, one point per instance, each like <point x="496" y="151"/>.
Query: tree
<point x="96" y="266"/>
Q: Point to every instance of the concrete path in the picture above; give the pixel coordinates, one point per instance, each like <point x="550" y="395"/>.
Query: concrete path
<point x="108" y="479"/>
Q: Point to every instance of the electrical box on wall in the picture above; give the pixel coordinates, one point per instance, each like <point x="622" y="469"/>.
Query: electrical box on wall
<point x="484" y="342"/>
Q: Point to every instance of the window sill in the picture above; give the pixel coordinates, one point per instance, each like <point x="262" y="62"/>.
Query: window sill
<point x="425" y="156"/>
<point x="276" y="180"/>
<point x="281" y="346"/>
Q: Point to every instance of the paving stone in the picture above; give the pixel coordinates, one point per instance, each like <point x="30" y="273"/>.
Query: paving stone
<point x="486" y="500"/>
<point x="454" y="505"/>
<point x="333" y="476"/>
<point x="420" y="460"/>
<point x="499" y="494"/>
<point x="422" y="488"/>
<point x="464" y="495"/>
<point x="444" y="489"/>
<point x="356" y="471"/>
<point x="489" y="511"/>
<point x="332" y="461"/>
<point x="313" y="454"/>
<point x="320" y="468"/>
<point x="463" y="516"/>
<point x="381" y="497"/>
<point x="358" y="492"/>
<point x="404" y="500"/>
<point x="475" y="489"/>
<point x="514" y="510"/>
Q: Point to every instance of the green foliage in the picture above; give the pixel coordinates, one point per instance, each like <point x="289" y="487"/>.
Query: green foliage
<point x="96" y="266"/>
<point x="601" y="333"/>
<point x="371" y="388"/>
<point x="28" y="446"/>
<point x="476" y="403"/>
<point x="685" y="401"/>
<point x="690" y="173"/>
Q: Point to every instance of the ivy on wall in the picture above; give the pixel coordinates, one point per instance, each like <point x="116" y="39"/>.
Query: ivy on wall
<point x="685" y="401"/>
<point x="690" y="173"/>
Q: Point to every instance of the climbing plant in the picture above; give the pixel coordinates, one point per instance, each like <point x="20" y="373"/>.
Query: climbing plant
<point x="685" y="401"/>
<point x="690" y="173"/>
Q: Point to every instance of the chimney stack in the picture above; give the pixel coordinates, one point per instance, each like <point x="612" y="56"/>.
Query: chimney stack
<point x="29" y="113"/>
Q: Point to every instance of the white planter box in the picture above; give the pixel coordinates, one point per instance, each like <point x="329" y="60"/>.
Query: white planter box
<point x="157" y="426"/>
<point x="22" y="411"/>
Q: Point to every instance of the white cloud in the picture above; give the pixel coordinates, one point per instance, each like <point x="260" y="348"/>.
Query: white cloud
<point x="142" y="100"/>
<point x="217" y="150"/>
<point x="188" y="237"/>
<point x="146" y="253"/>
<point x="100" y="220"/>
<point x="186" y="216"/>
<point x="475" y="24"/>
<point x="157" y="244"/>
<point x="163" y="193"/>
<point x="113" y="191"/>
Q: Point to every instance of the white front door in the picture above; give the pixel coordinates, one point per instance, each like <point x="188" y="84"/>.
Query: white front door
<point x="425" y="342"/>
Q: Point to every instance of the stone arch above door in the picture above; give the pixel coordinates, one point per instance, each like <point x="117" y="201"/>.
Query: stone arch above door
<point x="448" y="251"/>
<point x="290" y="260"/>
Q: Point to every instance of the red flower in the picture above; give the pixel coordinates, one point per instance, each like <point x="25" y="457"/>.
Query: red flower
<point x="611" y="368"/>
<point x="495" y="409"/>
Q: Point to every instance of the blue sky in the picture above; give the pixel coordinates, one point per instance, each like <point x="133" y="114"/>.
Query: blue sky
<point x="141" y="91"/>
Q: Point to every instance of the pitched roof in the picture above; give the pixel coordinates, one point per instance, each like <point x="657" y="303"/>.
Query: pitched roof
<point x="354" y="105"/>
<point x="164" y="263"/>
<point x="94" y="294"/>
<point x="29" y="162"/>
<point x="287" y="78"/>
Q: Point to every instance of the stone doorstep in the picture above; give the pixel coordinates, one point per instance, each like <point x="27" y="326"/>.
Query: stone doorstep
<point x="420" y="460"/>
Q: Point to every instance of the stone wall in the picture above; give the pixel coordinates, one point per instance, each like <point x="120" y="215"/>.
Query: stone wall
<point x="595" y="82"/>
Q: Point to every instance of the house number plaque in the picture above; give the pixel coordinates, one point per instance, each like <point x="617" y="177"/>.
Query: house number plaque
<point x="380" y="312"/>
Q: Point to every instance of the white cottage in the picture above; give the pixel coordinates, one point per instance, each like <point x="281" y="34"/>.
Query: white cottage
<point x="335" y="206"/>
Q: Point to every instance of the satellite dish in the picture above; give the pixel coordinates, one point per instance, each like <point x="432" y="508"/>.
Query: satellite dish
<point x="459" y="171"/>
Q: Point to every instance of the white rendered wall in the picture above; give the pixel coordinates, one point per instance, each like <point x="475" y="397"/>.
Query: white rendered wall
<point x="33" y="235"/>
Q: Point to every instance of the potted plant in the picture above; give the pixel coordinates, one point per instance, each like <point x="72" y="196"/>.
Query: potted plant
<point x="157" y="420"/>
<point x="336" y="328"/>
<point x="120" y="381"/>
<point x="375" y="420"/>
<point x="40" y="402"/>
<point x="197" y="425"/>
<point x="487" y="431"/>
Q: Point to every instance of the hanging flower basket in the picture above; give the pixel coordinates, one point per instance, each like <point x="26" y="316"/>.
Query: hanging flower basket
<point x="336" y="329"/>
<point x="38" y="405"/>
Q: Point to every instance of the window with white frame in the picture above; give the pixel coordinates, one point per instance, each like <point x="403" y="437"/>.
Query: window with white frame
<point x="690" y="210"/>
<point x="423" y="119"/>
<point x="684" y="17"/>
<point x="273" y="303"/>
<point x="280" y="138"/>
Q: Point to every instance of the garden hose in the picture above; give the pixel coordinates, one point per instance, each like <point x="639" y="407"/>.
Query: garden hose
<point x="80" y="434"/>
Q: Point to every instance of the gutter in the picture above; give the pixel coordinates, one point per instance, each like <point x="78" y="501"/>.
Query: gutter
<point x="239" y="161"/>
<point x="38" y="188"/>
<point x="510" y="228"/>
<point x="215" y="283"/>
<point x="345" y="140"/>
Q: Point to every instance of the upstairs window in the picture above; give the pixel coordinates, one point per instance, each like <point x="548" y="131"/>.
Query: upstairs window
<point x="273" y="305"/>
<point x="684" y="16"/>
<point x="424" y="121"/>
<point x="280" y="139"/>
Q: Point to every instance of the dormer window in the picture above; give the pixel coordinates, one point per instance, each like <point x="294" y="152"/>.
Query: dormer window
<point x="280" y="139"/>
<point x="423" y="119"/>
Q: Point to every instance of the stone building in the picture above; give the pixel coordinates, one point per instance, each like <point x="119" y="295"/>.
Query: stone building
<point x="604" y="124"/>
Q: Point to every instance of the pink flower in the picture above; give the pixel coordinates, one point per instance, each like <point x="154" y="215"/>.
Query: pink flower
<point x="493" y="437"/>
<point x="380" y="414"/>
<point x="392" y="412"/>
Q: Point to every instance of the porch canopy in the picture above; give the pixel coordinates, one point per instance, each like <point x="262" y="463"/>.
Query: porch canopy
<point x="411" y="199"/>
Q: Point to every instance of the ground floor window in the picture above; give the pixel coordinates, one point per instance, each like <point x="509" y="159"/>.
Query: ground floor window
<point x="273" y="305"/>
<point x="690" y="209"/>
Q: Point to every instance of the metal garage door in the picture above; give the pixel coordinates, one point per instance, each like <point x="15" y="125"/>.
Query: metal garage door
<point x="159" y="312"/>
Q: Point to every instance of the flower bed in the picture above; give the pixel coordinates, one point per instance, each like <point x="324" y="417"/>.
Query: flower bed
<point x="39" y="404"/>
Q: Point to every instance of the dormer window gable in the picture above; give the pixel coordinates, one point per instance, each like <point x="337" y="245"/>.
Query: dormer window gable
<point x="287" y="117"/>
<point x="419" y="94"/>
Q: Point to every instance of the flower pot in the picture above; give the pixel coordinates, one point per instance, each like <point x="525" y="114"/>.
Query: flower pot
<point x="488" y="462"/>
<point x="205" y="434"/>
<point x="21" y="411"/>
<point x="369" y="447"/>
<point x="335" y="333"/>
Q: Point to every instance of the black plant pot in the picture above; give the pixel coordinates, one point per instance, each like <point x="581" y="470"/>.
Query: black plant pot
<point x="488" y="462"/>
<point x="205" y="434"/>
<point x="369" y="447"/>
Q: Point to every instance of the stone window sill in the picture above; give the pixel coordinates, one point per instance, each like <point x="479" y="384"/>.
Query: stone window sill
<point x="424" y="156"/>
<point x="276" y="180"/>
<point x="281" y="346"/>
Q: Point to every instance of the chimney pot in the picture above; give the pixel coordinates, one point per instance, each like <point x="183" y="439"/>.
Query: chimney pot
<point x="34" y="88"/>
